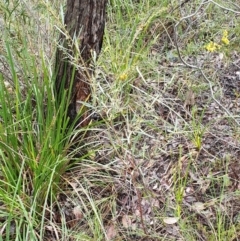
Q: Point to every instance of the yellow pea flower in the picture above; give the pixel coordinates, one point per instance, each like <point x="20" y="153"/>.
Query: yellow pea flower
<point x="225" y="39"/>
<point x="225" y="33"/>
<point x="211" y="47"/>
<point x="123" y="77"/>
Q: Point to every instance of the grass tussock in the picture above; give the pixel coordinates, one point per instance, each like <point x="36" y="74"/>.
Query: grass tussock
<point x="161" y="164"/>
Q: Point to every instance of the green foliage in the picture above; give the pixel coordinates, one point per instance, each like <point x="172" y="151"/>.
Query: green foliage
<point x="34" y="141"/>
<point x="34" y="131"/>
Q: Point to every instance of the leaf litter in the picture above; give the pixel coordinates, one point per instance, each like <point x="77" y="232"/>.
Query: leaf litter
<point x="171" y="161"/>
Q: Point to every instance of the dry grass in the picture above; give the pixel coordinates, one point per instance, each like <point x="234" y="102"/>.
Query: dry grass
<point x="163" y="162"/>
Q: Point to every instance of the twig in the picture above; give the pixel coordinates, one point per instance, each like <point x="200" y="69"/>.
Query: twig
<point x="139" y="195"/>
<point x="179" y="6"/>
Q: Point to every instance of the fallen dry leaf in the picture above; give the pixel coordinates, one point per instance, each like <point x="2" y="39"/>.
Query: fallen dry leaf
<point x="77" y="213"/>
<point x="111" y="232"/>
<point x="126" y="221"/>
<point x="190" y="99"/>
<point x="170" y="220"/>
<point x="198" y="206"/>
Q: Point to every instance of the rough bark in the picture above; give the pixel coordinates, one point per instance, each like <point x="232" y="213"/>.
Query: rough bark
<point x="84" y="22"/>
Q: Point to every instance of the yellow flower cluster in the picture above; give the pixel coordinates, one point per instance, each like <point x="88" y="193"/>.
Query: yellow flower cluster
<point x="123" y="76"/>
<point x="225" y="39"/>
<point x="211" y="47"/>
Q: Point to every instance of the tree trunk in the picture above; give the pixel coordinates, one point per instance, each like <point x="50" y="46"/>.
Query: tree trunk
<point x="84" y="23"/>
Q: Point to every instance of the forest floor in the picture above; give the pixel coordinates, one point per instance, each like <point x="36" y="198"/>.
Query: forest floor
<point x="163" y="161"/>
<point x="169" y="148"/>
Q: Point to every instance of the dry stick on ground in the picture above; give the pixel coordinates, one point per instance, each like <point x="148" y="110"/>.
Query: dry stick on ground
<point x="199" y="68"/>
<point x="135" y="173"/>
<point x="79" y="42"/>
<point x="179" y="6"/>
